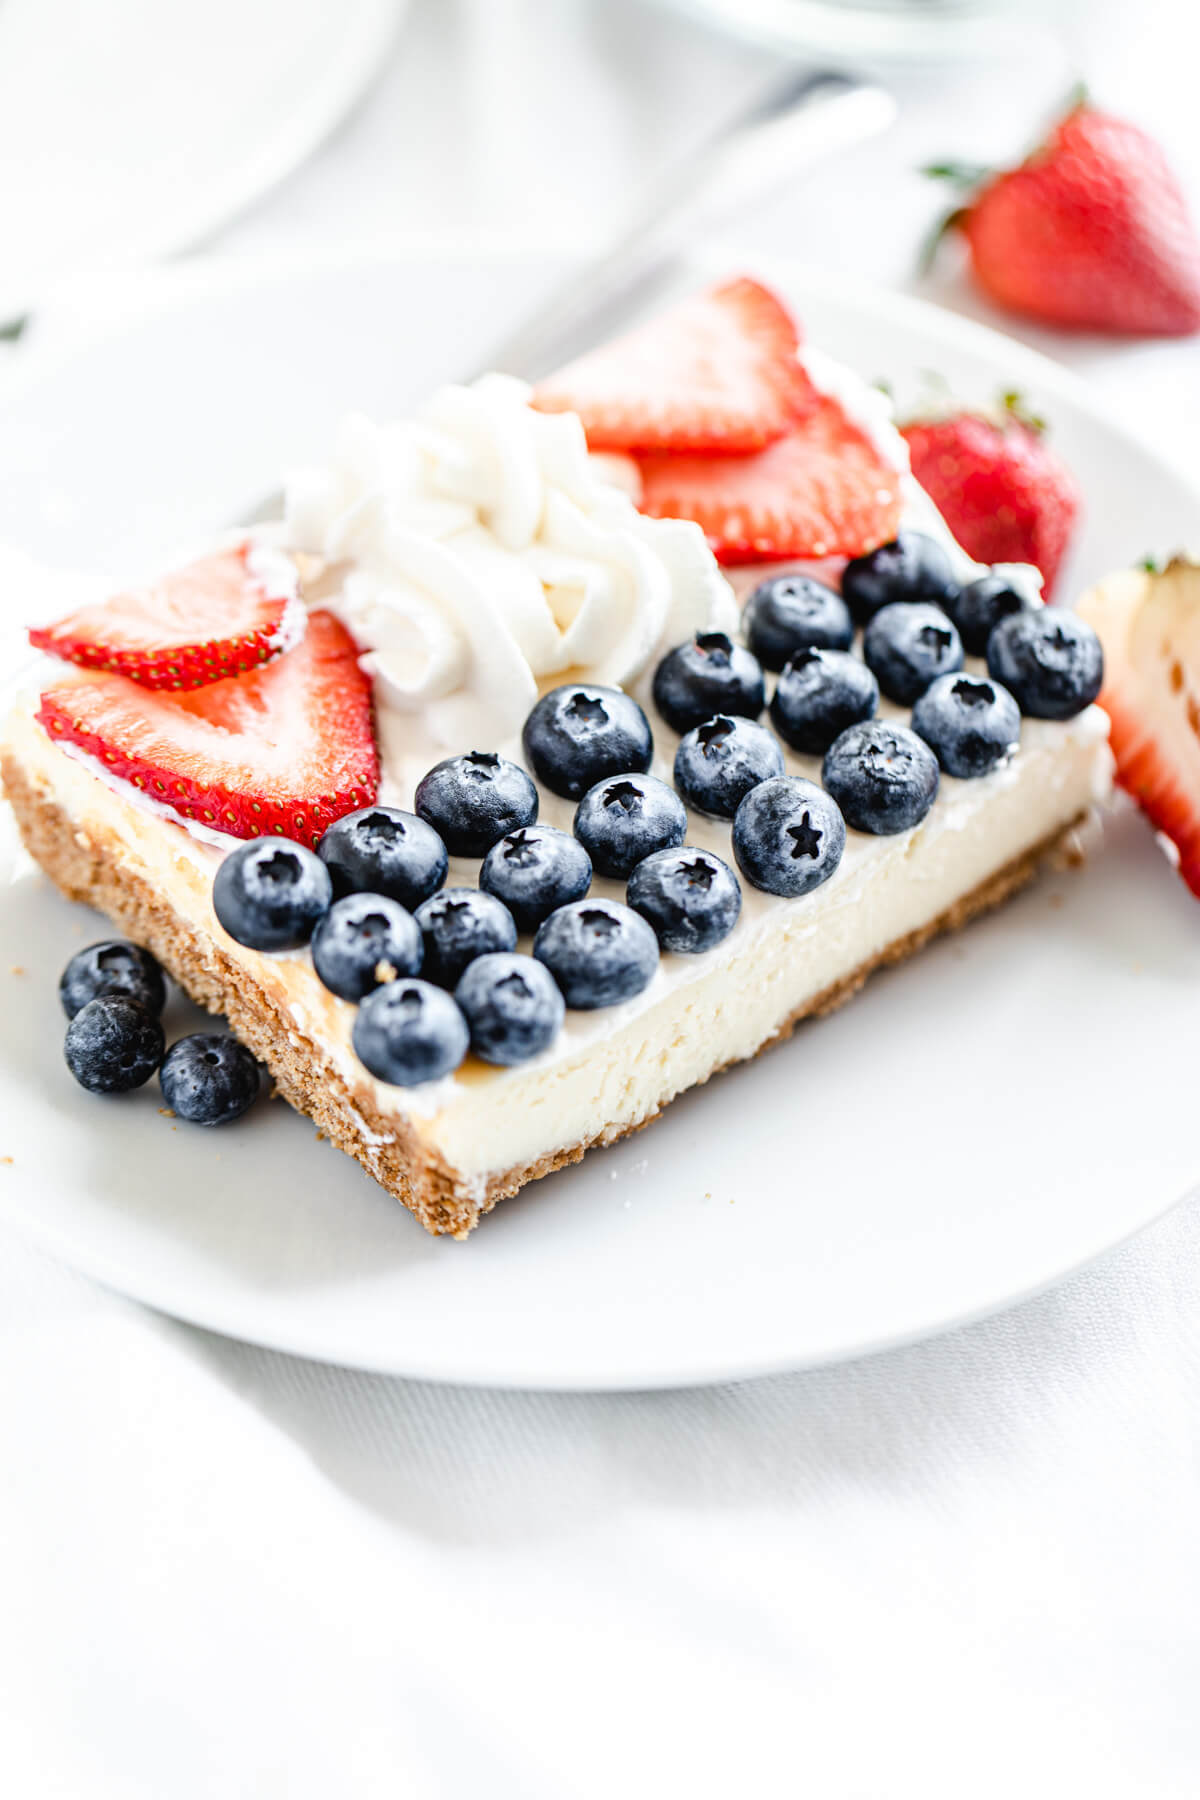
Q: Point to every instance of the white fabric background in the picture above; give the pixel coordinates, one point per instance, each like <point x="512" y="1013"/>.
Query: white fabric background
<point x="970" y="1567"/>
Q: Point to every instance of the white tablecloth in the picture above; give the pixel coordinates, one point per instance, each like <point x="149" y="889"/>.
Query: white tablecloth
<point x="971" y="1567"/>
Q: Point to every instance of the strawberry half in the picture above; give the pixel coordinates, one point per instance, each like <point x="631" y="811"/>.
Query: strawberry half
<point x="823" y="490"/>
<point x="287" y="749"/>
<point x="719" y="373"/>
<point x="218" y="617"/>
<point x="1149" y="625"/>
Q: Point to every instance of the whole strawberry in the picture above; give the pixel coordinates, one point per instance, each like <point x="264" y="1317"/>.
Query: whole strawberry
<point x="1090" y="231"/>
<point x="1003" y="492"/>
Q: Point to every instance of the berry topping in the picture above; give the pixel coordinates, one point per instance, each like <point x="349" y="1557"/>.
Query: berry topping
<point x="218" y="617"/>
<point x="884" y="777"/>
<point x="270" y="894"/>
<point x="113" y="1044"/>
<point x="908" y="646"/>
<point x="408" y="1032"/>
<point x="620" y="822"/>
<point x="718" y="763"/>
<point x="472" y="801"/>
<point x="818" y="695"/>
<point x="911" y="567"/>
<point x="458" y="925"/>
<point x="690" y="898"/>
<point x="535" y="870"/>
<point x="788" y="836"/>
<point x="575" y="736"/>
<point x="112" y="967"/>
<point x="719" y="372"/>
<point x="795" y="612"/>
<point x="381" y="850"/>
<point x="209" y="1079"/>
<point x="980" y="607"/>
<point x="364" y="940"/>
<point x="1050" y="661"/>
<point x="286" y="749"/>
<point x="512" y="1007"/>
<point x="710" y="675"/>
<point x="598" y="951"/>
<point x="969" y="723"/>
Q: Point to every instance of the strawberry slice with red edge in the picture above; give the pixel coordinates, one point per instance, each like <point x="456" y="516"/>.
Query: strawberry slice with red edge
<point x="1149" y="625"/>
<point x="220" y="616"/>
<point x="823" y="490"/>
<point x="285" y="749"/>
<point x="718" y="373"/>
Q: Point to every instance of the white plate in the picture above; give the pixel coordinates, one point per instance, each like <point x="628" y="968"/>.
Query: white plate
<point x="997" y="1111"/>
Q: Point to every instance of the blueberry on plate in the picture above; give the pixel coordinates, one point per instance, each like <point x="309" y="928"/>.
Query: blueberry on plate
<point x="718" y="763"/>
<point x="113" y="1044"/>
<point x="112" y="967"/>
<point x="409" y="1032"/>
<point x="269" y="893"/>
<point x="908" y="646"/>
<point x="795" y="612"/>
<point x="788" y="836"/>
<point x="365" y="939"/>
<point x="458" y="925"/>
<point x="819" y="694"/>
<point x="382" y="850"/>
<point x="911" y="567"/>
<point x="209" y="1078"/>
<point x="620" y="822"/>
<point x="471" y="801"/>
<point x="577" y="735"/>
<point x="982" y="604"/>
<point x="690" y="898"/>
<point x="968" y="722"/>
<point x="535" y="870"/>
<point x="598" y="951"/>
<point x="512" y="1007"/>
<point x="710" y="675"/>
<point x="884" y="777"/>
<point x="1050" y="661"/>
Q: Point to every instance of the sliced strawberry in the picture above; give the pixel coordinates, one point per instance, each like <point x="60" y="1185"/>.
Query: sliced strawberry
<point x="220" y="616"/>
<point x="823" y="490"/>
<point x="1149" y="625"/>
<point x="287" y="749"/>
<point x="719" y="372"/>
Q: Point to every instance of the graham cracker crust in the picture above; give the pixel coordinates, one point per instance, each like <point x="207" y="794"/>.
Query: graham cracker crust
<point x="443" y="1202"/>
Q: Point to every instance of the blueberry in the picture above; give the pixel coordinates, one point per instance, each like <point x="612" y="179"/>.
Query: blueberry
<point x="113" y="1044"/>
<point x="911" y="567"/>
<point x="788" y="836"/>
<point x="512" y="1007"/>
<point x="1049" y="660"/>
<point x="980" y="607"/>
<point x="884" y="777"/>
<point x="112" y="967"/>
<point x="269" y="893"/>
<point x="690" y="898"/>
<point x="209" y="1079"/>
<point x="575" y="736"/>
<point x="598" y="951"/>
<point x="381" y="850"/>
<point x="795" y="612"/>
<point x="361" y="935"/>
<point x="907" y="646"/>
<point x="818" y="695"/>
<point x="710" y="675"/>
<point x="718" y="763"/>
<point x="535" y="870"/>
<point x="408" y="1032"/>
<point x="970" y="724"/>
<point x="621" y="821"/>
<point x="457" y="926"/>
<point x="471" y="801"/>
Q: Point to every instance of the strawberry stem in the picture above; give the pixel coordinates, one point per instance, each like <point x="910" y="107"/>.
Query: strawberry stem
<point x="951" y="221"/>
<point x="964" y="175"/>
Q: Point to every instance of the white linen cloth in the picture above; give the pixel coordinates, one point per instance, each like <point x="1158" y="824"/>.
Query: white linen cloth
<point x="968" y="1567"/>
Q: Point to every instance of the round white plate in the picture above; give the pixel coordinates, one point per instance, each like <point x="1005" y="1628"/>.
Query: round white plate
<point x="997" y="1111"/>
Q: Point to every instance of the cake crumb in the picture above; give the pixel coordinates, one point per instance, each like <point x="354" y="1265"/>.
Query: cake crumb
<point x="1056" y="900"/>
<point x="16" y="969"/>
<point x="320" y="1137"/>
<point x="167" y="1112"/>
<point x="386" y="971"/>
<point x="7" y="1161"/>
